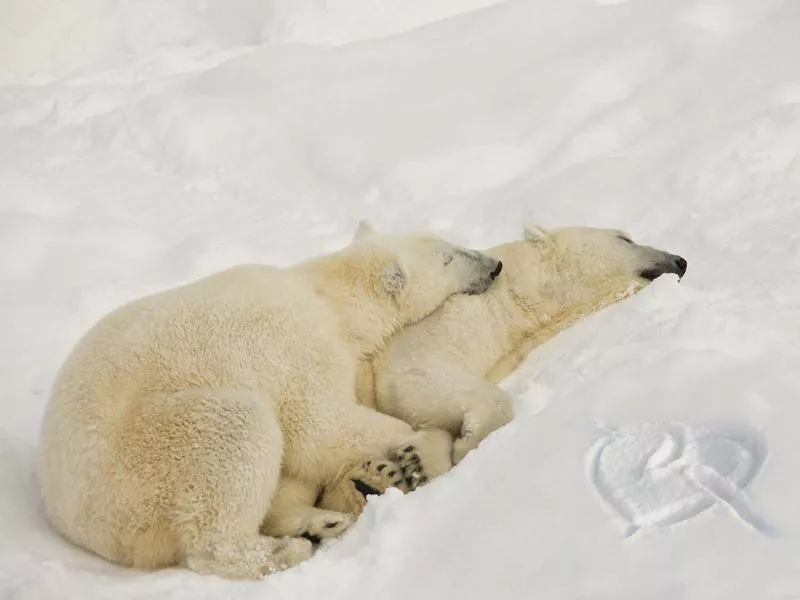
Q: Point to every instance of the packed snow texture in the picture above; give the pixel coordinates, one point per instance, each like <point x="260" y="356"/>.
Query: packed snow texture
<point x="654" y="453"/>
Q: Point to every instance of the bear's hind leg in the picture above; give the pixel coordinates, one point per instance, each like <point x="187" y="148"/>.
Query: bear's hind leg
<point x="216" y="455"/>
<point x="247" y="557"/>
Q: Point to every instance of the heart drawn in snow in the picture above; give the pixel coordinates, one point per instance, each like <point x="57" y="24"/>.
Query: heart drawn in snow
<point x="652" y="475"/>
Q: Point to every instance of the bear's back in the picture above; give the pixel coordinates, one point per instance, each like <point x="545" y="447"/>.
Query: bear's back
<point x="226" y="330"/>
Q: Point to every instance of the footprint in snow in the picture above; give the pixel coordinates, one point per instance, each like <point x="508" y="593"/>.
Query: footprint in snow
<point x="652" y="476"/>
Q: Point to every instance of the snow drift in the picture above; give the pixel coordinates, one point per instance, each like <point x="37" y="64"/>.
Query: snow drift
<point x="143" y="144"/>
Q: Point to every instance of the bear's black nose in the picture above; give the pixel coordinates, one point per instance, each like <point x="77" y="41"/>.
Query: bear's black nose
<point x="682" y="264"/>
<point x="499" y="268"/>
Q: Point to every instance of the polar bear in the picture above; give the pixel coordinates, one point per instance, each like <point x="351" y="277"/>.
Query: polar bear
<point x="173" y="418"/>
<point x="442" y="372"/>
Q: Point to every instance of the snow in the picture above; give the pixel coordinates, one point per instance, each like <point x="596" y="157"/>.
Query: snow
<point x="144" y="144"/>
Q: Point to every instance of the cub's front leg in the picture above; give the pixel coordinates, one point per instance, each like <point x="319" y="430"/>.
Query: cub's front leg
<point x="448" y="397"/>
<point x="348" y="492"/>
<point x="419" y="457"/>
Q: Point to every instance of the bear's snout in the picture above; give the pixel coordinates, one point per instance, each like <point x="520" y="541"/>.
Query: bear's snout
<point x="484" y="271"/>
<point x="682" y="265"/>
<point x="670" y="263"/>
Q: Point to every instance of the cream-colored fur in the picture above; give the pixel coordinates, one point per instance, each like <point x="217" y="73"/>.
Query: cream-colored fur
<point x="442" y="372"/>
<point x="173" y="419"/>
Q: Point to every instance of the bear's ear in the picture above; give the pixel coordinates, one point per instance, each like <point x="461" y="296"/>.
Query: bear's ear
<point x="394" y="278"/>
<point x="533" y="233"/>
<point x="363" y="230"/>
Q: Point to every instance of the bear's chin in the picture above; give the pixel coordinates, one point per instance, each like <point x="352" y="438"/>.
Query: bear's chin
<point x="650" y="274"/>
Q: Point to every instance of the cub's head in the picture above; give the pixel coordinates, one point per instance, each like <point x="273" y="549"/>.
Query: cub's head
<point x="421" y="271"/>
<point x="558" y="268"/>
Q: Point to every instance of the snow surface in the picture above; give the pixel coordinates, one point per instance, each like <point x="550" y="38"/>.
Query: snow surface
<point x="146" y="143"/>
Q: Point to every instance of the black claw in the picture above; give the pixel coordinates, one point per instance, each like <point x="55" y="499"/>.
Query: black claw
<point x="314" y="539"/>
<point x="366" y="489"/>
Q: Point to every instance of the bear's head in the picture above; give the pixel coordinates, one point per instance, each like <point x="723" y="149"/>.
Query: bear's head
<point x="605" y="253"/>
<point x="572" y="266"/>
<point x="420" y="271"/>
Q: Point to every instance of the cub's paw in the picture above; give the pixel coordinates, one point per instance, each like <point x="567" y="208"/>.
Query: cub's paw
<point x="425" y="456"/>
<point x="327" y="524"/>
<point x="461" y="447"/>
<point x="375" y="476"/>
<point x="348" y="494"/>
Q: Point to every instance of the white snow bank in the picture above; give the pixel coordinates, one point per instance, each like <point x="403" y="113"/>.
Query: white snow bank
<point x="338" y="22"/>
<point x="43" y="40"/>
<point x="654" y="452"/>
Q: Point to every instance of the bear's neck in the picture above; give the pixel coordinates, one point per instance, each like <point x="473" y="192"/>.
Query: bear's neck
<point x="351" y="285"/>
<point x="555" y="307"/>
<point x="552" y="308"/>
<point x="522" y="262"/>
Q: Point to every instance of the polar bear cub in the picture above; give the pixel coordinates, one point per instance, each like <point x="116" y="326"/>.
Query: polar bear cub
<point x="172" y="420"/>
<point x="442" y="372"/>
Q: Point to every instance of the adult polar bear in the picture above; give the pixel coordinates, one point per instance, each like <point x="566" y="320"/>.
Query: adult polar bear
<point x="170" y="423"/>
<point x="442" y="372"/>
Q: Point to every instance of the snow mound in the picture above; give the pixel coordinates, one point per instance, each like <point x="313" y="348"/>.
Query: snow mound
<point x="41" y="41"/>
